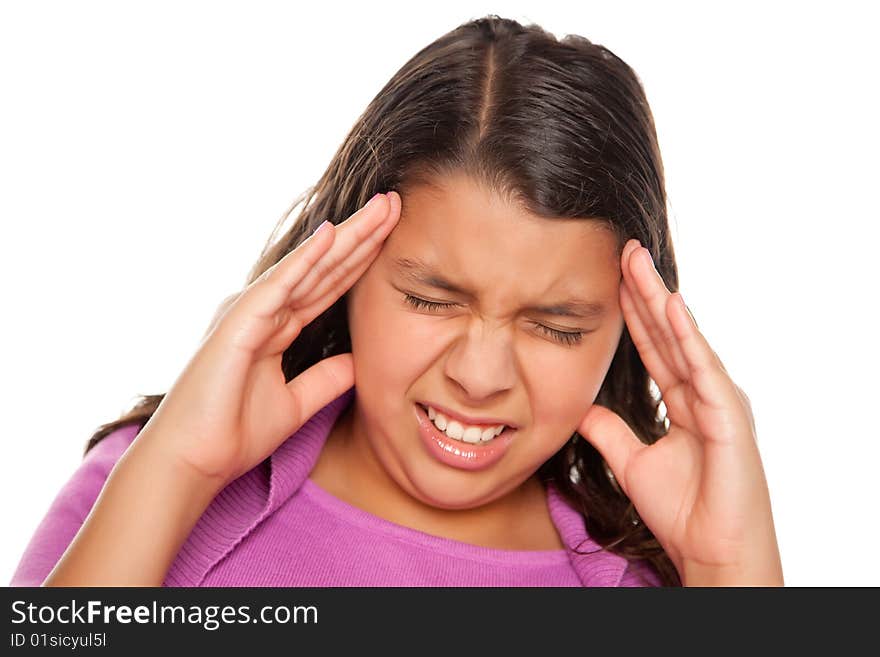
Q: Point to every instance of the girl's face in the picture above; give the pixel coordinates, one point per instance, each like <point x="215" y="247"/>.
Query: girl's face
<point x="491" y="350"/>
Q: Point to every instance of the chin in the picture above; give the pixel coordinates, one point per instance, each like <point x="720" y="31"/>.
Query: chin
<point x="455" y="491"/>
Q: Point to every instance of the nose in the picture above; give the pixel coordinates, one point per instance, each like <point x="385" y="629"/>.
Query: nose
<point x="482" y="362"/>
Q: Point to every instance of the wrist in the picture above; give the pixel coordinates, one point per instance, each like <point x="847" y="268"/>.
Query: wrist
<point x="190" y="486"/>
<point x="763" y="572"/>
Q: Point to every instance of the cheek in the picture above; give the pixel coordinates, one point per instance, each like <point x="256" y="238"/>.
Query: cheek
<point x="391" y="347"/>
<point x="563" y="389"/>
<point x="561" y="398"/>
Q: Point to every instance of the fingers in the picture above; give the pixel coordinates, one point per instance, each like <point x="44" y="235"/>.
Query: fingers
<point x="298" y="272"/>
<point x="658" y="322"/>
<point x="710" y="380"/>
<point x="654" y="361"/>
<point x="616" y="442"/>
<point x="650" y="299"/>
<point x="268" y="293"/>
<point x="356" y="246"/>
<point x="662" y="324"/>
<point x="308" y="313"/>
<point x="267" y="316"/>
<point x="331" y="282"/>
<point x="326" y="281"/>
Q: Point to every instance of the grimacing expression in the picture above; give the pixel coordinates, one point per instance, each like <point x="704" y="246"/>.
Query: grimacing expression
<point x="491" y="349"/>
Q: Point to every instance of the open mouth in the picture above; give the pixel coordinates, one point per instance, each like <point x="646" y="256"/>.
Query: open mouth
<point x="454" y="430"/>
<point x="457" y="453"/>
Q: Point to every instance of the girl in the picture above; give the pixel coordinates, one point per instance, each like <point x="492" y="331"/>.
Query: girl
<point x="454" y="386"/>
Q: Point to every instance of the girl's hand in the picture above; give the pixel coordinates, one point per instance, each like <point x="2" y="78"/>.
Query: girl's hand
<point x="701" y="488"/>
<point x="230" y="408"/>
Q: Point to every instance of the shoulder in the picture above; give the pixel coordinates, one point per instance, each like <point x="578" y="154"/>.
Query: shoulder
<point x="92" y="472"/>
<point x="97" y="463"/>
<point x="111" y="447"/>
<point x="70" y="507"/>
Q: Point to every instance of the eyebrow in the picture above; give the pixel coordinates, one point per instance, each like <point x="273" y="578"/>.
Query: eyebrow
<point x="420" y="272"/>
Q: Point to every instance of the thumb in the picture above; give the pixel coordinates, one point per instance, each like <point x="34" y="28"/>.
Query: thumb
<point x="611" y="435"/>
<point x="321" y="384"/>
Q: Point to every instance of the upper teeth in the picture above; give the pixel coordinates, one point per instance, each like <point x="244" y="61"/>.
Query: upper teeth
<point x="458" y="431"/>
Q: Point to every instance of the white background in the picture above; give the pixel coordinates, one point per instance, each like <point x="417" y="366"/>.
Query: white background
<point x="147" y="150"/>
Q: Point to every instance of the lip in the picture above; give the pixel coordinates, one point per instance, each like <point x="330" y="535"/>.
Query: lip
<point x="457" y="454"/>
<point x="464" y="419"/>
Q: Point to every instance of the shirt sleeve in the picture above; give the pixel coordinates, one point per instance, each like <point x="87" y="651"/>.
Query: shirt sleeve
<point x="70" y="507"/>
<point x="640" y="573"/>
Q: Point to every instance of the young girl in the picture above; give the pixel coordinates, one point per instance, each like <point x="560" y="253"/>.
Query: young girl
<point x="456" y="384"/>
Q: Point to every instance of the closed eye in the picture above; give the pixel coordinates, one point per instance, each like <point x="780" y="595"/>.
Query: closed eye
<point x="565" y="337"/>
<point x="428" y="305"/>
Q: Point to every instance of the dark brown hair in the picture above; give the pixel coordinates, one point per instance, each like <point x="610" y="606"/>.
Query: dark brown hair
<point x="561" y="127"/>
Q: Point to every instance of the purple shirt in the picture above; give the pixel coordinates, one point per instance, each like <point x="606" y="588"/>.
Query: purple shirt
<point x="273" y="526"/>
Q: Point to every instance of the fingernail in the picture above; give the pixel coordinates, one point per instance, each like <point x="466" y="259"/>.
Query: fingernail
<point x="322" y="228"/>
<point x="632" y="247"/>
<point x="686" y="309"/>
<point x="372" y="201"/>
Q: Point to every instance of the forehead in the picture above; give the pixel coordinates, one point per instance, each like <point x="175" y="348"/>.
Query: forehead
<point x="489" y="245"/>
